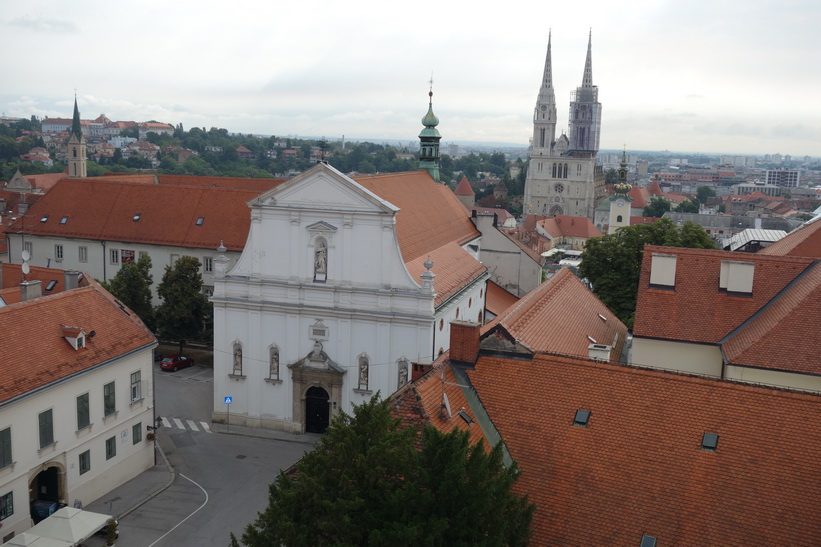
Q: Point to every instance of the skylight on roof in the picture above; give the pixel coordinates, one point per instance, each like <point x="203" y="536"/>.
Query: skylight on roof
<point x="137" y="216"/>
<point x="709" y="442"/>
<point x="64" y="220"/>
<point x="591" y="339"/>
<point x="647" y="541"/>
<point x="45" y="218"/>
<point x="465" y="417"/>
<point x="200" y="220"/>
<point x="51" y="285"/>
<point x="582" y="417"/>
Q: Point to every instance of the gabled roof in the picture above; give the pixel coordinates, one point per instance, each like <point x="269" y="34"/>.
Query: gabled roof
<point x="697" y="310"/>
<point x="567" y="226"/>
<point x="104" y="210"/>
<point x="638" y="466"/>
<point x="11" y="275"/>
<point x="560" y="316"/>
<point x="502" y="215"/>
<point x="454" y="269"/>
<point x="34" y="352"/>
<point x="803" y="241"/>
<point x="783" y="334"/>
<point x="497" y="299"/>
<point x="420" y="227"/>
<point x="637" y="196"/>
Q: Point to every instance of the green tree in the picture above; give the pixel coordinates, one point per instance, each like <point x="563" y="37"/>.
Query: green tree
<point x="704" y="193"/>
<point x="611" y="176"/>
<point x="657" y="207"/>
<point x="181" y="314"/>
<point x="687" y="206"/>
<point x="367" y="484"/>
<point x="132" y="286"/>
<point x="612" y="263"/>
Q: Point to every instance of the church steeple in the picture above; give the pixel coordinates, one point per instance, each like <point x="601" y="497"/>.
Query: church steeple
<point x="544" y="115"/>
<point x="585" y="110"/>
<point x="429" y="140"/>
<point x="76" y="147"/>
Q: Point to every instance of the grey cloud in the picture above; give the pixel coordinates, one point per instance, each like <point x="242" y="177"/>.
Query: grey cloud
<point x="37" y="23"/>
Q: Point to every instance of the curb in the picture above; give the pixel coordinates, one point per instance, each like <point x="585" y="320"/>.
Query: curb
<point x="158" y="491"/>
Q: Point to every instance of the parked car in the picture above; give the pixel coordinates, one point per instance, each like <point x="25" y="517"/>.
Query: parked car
<point x="175" y="362"/>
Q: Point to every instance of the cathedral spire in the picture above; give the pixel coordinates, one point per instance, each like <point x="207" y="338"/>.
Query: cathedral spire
<point x="429" y="140"/>
<point x="76" y="129"/>
<point x="544" y="115"/>
<point x="587" y="80"/>
<point x="547" y="80"/>
<point x="76" y="147"/>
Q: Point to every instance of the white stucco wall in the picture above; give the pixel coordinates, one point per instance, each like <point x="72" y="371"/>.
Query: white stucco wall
<point x="683" y="356"/>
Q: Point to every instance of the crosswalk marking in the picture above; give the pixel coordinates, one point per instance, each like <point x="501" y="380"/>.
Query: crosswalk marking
<point x="166" y="423"/>
<point x="192" y="425"/>
<point x="205" y="427"/>
<point x="178" y="423"/>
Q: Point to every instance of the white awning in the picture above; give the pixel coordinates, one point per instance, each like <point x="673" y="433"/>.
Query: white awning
<point x="28" y="539"/>
<point x="70" y="525"/>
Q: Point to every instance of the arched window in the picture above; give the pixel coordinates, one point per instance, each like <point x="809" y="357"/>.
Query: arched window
<point x="541" y="137"/>
<point x="565" y="170"/>
<point x="363" y="372"/>
<point x="237" y="359"/>
<point x="618" y="218"/>
<point x="273" y="363"/>
<point x="554" y="170"/>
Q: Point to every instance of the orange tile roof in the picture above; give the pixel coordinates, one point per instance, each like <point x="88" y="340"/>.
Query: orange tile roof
<point x="560" y="316"/>
<point x="638" y="197"/>
<point x="697" y="311"/>
<point x="104" y="210"/>
<point x="11" y="275"/>
<point x="655" y="189"/>
<point x="45" y="181"/>
<point x="34" y="352"/>
<point x="803" y="241"/>
<point x="420" y="227"/>
<point x="782" y="335"/>
<point x="454" y="268"/>
<point x="463" y="188"/>
<point x="497" y="299"/>
<point x="638" y="466"/>
<point x="567" y="226"/>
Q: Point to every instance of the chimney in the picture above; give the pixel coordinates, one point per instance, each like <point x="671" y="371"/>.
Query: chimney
<point x="71" y="280"/>
<point x="464" y="341"/>
<point x="599" y="352"/>
<point x="22" y="208"/>
<point x="29" y="290"/>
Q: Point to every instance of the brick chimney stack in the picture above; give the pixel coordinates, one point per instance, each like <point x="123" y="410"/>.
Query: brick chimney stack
<point x="464" y="341"/>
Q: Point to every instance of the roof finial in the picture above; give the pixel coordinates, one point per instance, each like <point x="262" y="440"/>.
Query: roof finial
<point x="430" y="93"/>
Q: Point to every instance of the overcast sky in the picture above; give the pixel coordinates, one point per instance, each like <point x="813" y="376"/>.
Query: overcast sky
<point x="731" y="76"/>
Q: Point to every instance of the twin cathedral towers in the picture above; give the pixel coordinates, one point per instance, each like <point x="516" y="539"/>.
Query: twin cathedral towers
<point x="562" y="178"/>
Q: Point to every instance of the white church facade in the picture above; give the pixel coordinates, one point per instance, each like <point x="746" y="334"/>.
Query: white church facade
<point x="342" y="286"/>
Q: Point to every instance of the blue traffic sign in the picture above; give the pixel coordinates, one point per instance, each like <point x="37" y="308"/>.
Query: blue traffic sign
<point x="228" y="400"/>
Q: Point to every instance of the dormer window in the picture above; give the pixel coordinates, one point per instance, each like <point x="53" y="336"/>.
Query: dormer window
<point x="75" y="336"/>
<point x="137" y="216"/>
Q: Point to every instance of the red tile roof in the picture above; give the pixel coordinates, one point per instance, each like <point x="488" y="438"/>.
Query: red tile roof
<point x="697" y="311"/>
<point x="463" y="188"/>
<point x="454" y="268"/>
<point x="34" y="352"/>
<point x="497" y="299"/>
<point x="422" y="228"/>
<point x="638" y="197"/>
<point x="803" y="241"/>
<point x="567" y="226"/>
<point x="560" y="316"/>
<point x="104" y="210"/>
<point x="638" y="467"/>
<point x="11" y="275"/>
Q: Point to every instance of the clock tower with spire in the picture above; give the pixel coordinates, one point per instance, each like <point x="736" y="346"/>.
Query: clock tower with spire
<point x="76" y="148"/>
<point x="429" y="141"/>
<point x="620" y="205"/>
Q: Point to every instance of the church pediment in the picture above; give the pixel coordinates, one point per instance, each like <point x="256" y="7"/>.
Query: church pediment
<point x="18" y="183"/>
<point x="323" y="187"/>
<point x="317" y="361"/>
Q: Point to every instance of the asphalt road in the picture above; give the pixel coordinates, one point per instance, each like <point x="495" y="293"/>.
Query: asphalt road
<point x="222" y="479"/>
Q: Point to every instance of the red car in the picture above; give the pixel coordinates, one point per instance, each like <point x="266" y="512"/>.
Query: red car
<point x="175" y="362"/>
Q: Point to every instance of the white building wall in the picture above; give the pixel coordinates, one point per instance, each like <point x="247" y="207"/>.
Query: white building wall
<point x="61" y="397"/>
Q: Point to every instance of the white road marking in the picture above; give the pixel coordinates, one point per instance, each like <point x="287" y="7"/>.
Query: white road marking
<point x="178" y="423"/>
<point x="189" y="516"/>
<point x="205" y="427"/>
<point x="166" y="423"/>
<point x="192" y="425"/>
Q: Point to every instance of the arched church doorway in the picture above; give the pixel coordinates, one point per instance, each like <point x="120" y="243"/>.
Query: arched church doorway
<point x="317" y="410"/>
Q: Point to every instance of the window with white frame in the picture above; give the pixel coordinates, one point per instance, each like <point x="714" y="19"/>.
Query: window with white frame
<point x="45" y="422"/>
<point x="5" y="448"/>
<point x="29" y="246"/>
<point x="136" y="389"/>
<point x="109" y="400"/>
<point x="6" y="505"/>
<point x="83" y="412"/>
<point x="58" y="253"/>
<point x="83" y="253"/>
<point x="136" y="433"/>
<point x="115" y="256"/>
<point x="85" y="462"/>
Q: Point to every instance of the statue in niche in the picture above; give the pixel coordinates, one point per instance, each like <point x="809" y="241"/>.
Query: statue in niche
<point x="274" y="366"/>
<point x="403" y="373"/>
<point x="237" y="359"/>
<point x="321" y="258"/>
<point x="363" y="372"/>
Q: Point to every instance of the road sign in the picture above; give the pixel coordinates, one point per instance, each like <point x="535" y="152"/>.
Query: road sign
<point x="228" y="400"/>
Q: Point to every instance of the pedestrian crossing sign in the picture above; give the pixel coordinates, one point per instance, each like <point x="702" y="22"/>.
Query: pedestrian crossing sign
<point x="229" y="400"/>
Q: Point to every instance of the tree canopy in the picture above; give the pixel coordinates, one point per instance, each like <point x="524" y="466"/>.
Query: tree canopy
<point x="132" y="286"/>
<point x="368" y="483"/>
<point x="612" y="263"/>
<point x="657" y="207"/>
<point x="183" y="310"/>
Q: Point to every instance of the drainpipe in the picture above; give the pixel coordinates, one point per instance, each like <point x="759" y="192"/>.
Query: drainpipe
<point x="104" y="257"/>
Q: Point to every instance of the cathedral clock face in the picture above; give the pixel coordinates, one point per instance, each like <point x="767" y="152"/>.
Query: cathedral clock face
<point x="620" y="203"/>
<point x="544" y="107"/>
<point x="559" y="188"/>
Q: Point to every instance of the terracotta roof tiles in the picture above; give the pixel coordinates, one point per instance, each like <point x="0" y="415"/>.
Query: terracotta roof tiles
<point x="803" y="241"/>
<point x="568" y="226"/>
<point x="497" y="299"/>
<point x="463" y="188"/>
<point x="453" y="266"/>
